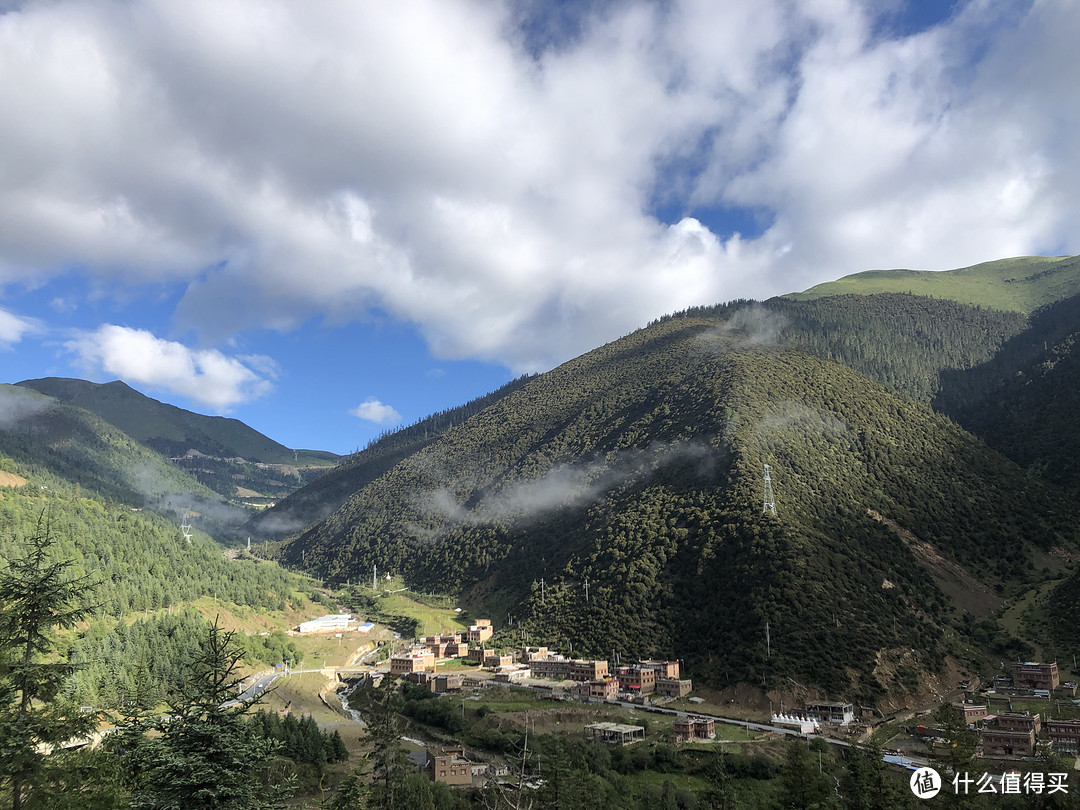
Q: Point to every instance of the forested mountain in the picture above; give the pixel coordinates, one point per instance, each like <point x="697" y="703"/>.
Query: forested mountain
<point x="638" y="468"/>
<point x="224" y="455"/>
<point x="173" y="431"/>
<point x="111" y="508"/>
<point x="328" y="492"/>
<point x="60" y="443"/>
<point x="902" y="340"/>
<point x="1023" y="402"/>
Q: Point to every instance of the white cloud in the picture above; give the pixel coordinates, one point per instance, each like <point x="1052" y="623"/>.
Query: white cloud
<point x="293" y="161"/>
<point x="204" y="375"/>
<point x="13" y="328"/>
<point x="371" y="410"/>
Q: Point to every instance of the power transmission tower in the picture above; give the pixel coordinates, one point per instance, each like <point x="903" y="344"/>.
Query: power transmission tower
<point x="770" y="499"/>
<point x="185" y="529"/>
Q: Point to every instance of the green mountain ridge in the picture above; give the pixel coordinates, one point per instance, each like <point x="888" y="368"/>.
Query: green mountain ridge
<point x="327" y="493"/>
<point x="615" y="503"/>
<point x="55" y="441"/>
<point x="638" y="467"/>
<point x="173" y="431"/>
<point x="1023" y="401"/>
<point x="231" y="458"/>
<point x="1021" y="284"/>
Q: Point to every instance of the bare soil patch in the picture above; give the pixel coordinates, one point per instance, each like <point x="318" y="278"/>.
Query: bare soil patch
<point x="11" y="480"/>
<point x="959" y="585"/>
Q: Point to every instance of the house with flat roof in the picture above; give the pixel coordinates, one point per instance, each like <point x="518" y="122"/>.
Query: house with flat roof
<point x="970" y="712"/>
<point x="664" y="669"/>
<point x="694" y="728"/>
<point x="418" y="659"/>
<point x="1064" y="735"/>
<point x="332" y="623"/>
<point x="554" y="666"/>
<point x="480" y="632"/>
<point x="587" y="670"/>
<point x="1001" y="742"/>
<point x="494" y="660"/>
<point x="674" y="687"/>
<point x="1035" y="675"/>
<point x="836" y="714"/>
<point x="449" y="766"/>
<point x="600" y="689"/>
<point x="1019" y="721"/>
<point x="637" y="679"/>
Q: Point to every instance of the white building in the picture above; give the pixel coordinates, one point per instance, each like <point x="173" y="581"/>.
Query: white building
<point x="335" y="622"/>
<point x="804" y="725"/>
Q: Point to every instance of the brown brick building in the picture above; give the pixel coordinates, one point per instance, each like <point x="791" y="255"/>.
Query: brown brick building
<point x="495" y="660"/>
<point x="1065" y="735"/>
<point x="585" y="670"/>
<point x="480" y="632"/>
<point x="970" y="713"/>
<point x="1019" y="721"/>
<point x="600" y="689"/>
<point x="554" y="666"/>
<point x="695" y="728"/>
<point x="637" y="679"/>
<point x="674" y="687"/>
<point x="1000" y="742"/>
<point x="664" y="669"/>
<point x="1032" y="675"/>
<point x="415" y="660"/>
<point x="449" y="767"/>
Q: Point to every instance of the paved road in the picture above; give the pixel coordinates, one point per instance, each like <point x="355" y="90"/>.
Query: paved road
<point x="256" y="689"/>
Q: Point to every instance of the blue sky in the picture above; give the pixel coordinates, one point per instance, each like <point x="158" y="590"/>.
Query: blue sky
<point x="327" y="219"/>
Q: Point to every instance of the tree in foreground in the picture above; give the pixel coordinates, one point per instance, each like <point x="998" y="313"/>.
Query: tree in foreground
<point x="37" y="595"/>
<point x="207" y="755"/>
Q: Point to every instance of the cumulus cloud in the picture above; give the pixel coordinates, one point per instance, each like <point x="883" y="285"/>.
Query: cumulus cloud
<point x="203" y="375"/>
<point x="498" y="188"/>
<point x="13" y="327"/>
<point x="371" y="410"/>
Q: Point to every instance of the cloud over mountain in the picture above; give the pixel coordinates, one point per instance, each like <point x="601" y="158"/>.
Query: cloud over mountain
<point x="203" y="375"/>
<point x="521" y="202"/>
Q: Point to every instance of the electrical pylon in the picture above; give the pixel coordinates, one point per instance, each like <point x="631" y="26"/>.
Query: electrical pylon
<point x="769" y="499"/>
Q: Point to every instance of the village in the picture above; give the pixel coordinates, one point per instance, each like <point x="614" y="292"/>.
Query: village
<point x="1015" y="734"/>
<point x="467" y="660"/>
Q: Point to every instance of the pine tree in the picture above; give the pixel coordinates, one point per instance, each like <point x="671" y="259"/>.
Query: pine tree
<point x="37" y="595"/>
<point x="389" y="763"/>
<point x="207" y="755"/>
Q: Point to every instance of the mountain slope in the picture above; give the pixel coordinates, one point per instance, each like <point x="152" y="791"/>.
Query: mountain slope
<point x="173" y="431"/>
<point x="638" y="466"/>
<point x="55" y="440"/>
<point x="327" y="493"/>
<point x="1023" y="402"/>
<point x="904" y="341"/>
<point x="1020" y="285"/>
